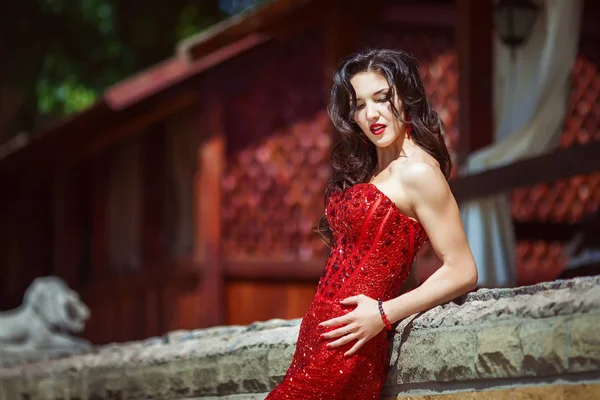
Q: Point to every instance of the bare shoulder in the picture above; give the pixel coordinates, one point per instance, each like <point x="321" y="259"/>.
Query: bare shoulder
<point x="419" y="173"/>
<point x="422" y="180"/>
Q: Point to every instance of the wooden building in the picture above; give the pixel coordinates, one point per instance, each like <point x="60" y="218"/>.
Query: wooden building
<point x="185" y="197"/>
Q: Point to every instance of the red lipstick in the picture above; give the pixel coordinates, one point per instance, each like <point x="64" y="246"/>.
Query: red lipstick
<point x="377" y="129"/>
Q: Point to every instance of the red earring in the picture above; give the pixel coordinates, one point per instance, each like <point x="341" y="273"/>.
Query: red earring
<point x="408" y="128"/>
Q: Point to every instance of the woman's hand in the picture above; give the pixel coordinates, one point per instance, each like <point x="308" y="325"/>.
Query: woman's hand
<point x="361" y="324"/>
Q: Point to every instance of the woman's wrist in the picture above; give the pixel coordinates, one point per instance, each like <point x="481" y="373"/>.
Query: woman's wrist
<point x="384" y="317"/>
<point x="389" y="307"/>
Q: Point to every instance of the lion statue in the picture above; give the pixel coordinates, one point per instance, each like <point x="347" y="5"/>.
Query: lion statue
<point x="41" y="325"/>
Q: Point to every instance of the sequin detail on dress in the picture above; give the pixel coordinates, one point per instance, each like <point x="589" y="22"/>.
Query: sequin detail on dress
<point x="374" y="247"/>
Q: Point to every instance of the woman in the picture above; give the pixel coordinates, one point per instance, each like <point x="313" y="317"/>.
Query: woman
<point x="389" y="193"/>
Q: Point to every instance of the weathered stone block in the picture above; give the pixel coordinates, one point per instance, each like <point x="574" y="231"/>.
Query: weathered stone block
<point x="10" y="388"/>
<point x="499" y="352"/>
<point x="203" y="378"/>
<point x="50" y="388"/>
<point x="243" y="372"/>
<point x="584" y="351"/>
<point x="437" y="356"/>
<point x="544" y="345"/>
<point x="497" y="306"/>
<point x="280" y="354"/>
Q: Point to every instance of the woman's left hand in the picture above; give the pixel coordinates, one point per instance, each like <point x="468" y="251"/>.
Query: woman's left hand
<point x="361" y="324"/>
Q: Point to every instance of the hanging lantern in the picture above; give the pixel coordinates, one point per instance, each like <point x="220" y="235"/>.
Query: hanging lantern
<point x="514" y="20"/>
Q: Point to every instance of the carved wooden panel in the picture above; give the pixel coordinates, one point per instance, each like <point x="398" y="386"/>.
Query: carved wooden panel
<point x="278" y="153"/>
<point x="273" y="194"/>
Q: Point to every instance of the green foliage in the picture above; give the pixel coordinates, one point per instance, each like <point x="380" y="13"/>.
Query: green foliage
<point x="84" y="58"/>
<point x="64" y="53"/>
<point x="192" y="20"/>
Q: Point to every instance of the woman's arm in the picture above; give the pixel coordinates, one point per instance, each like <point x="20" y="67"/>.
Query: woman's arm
<point x="412" y="280"/>
<point x="431" y="199"/>
<point x="429" y="196"/>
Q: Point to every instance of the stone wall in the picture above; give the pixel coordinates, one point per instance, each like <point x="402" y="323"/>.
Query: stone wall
<point x="542" y="339"/>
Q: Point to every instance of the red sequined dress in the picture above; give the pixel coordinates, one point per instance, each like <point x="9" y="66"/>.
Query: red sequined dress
<point x="374" y="245"/>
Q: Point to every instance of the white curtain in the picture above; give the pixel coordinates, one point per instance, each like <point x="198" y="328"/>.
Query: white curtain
<point x="530" y="103"/>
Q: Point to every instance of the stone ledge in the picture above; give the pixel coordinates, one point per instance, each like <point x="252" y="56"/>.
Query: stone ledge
<point x="549" y="299"/>
<point x="538" y="331"/>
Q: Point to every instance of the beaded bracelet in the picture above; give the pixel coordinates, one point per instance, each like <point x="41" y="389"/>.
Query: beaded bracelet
<point x="383" y="316"/>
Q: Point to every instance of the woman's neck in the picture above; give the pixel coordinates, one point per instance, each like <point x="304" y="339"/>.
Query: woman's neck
<point x="401" y="147"/>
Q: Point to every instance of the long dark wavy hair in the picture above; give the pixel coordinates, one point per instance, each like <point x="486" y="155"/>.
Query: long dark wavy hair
<point x="354" y="157"/>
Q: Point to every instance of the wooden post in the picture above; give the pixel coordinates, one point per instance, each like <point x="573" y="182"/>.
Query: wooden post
<point x="343" y="31"/>
<point x="152" y="199"/>
<point x="474" y="42"/>
<point x="59" y="216"/>
<point x="144" y="301"/>
<point x="100" y="257"/>
<point x="208" y="194"/>
<point x="66" y="214"/>
<point x="342" y="37"/>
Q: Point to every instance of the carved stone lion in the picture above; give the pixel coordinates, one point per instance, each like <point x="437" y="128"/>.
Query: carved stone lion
<point x="41" y="325"/>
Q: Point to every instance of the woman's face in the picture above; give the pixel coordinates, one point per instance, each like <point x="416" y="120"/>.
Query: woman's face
<point x="374" y="113"/>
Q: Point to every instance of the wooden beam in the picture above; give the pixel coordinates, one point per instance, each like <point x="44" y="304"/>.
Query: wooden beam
<point x="421" y="15"/>
<point x="560" y="164"/>
<point x="152" y="200"/>
<point x="115" y="134"/>
<point x="168" y="74"/>
<point x="550" y="231"/>
<point x="343" y="30"/>
<point x="474" y="43"/>
<point x="67" y="222"/>
<point x="59" y="219"/>
<point x="150" y="279"/>
<point x="90" y="134"/>
<point x="589" y="270"/>
<point x="99" y="215"/>
<point x="208" y="194"/>
<point x="255" y="20"/>
<point x="42" y="148"/>
<point x="303" y="20"/>
<point x="589" y="19"/>
<point x="269" y="270"/>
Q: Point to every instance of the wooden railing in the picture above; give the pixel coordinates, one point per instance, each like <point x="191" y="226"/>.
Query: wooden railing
<point x="183" y="277"/>
<point x="559" y="164"/>
<point x="142" y="304"/>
